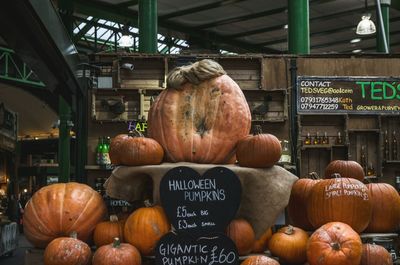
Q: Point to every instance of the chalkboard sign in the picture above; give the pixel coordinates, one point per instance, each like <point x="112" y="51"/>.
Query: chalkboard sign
<point x="198" y="204"/>
<point x="173" y="249"/>
<point x="357" y="95"/>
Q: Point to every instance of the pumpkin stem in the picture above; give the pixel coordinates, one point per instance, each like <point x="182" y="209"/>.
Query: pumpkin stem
<point x="335" y="246"/>
<point x="135" y="133"/>
<point x="313" y="175"/>
<point x="257" y="130"/>
<point x="73" y="234"/>
<point x="336" y="175"/>
<point x="113" y="218"/>
<point x="116" y="243"/>
<point x="289" y="230"/>
<point x="147" y="203"/>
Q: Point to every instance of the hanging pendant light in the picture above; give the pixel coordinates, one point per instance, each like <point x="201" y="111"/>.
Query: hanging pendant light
<point x="366" y="26"/>
<point x="126" y="40"/>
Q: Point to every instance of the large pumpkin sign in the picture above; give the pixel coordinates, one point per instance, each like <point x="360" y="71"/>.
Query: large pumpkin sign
<point x="200" y="116"/>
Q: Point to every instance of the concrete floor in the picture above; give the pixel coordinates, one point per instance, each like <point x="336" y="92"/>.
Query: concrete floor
<point x="18" y="256"/>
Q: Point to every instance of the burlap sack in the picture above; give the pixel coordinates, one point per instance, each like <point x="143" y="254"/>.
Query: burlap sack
<point x="265" y="191"/>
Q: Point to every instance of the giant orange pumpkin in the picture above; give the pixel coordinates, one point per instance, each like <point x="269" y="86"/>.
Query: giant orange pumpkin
<point x="259" y="260"/>
<point x="334" y="243"/>
<point x="375" y="255"/>
<point x="344" y="200"/>
<point x="105" y="232"/>
<point x="242" y="234"/>
<point x="297" y="207"/>
<point x="346" y="169"/>
<point x="200" y="116"/>
<point x="117" y="253"/>
<point x="58" y="209"/>
<point x="385" y="208"/>
<point x="145" y="226"/>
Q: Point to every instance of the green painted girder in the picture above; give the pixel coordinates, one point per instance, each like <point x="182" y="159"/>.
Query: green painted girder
<point x="85" y="29"/>
<point x="12" y="69"/>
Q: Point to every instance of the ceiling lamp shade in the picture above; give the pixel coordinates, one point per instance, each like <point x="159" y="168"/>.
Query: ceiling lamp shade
<point x="366" y="26"/>
<point x="126" y="40"/>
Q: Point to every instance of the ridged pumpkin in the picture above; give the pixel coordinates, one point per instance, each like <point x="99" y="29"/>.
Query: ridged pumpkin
<point x="58" y="209"/>
<point x="117" y="253"/>
<point x="200" y="116"/>
<point x="242" y="234"/>
<point x="258" y="150"/>
<point x="289" y="244"/>
<point x="259" y="260"/>
<point x="106" y="232"/>
<point x="145" y="226"/>
<point x="375" y="255"/>
<point x="346" y="169"/>
<point x="385" y="208"/>
<point x="261" y="244"/>
<point x="344" y="200"/>
<point x="297" y="207"/>
<point x="134" y="149"/>
<point x="67" y="251"/>
<point x="334" y="243"/>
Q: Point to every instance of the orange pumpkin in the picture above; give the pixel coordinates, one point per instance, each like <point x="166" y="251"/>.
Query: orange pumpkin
<point x="105" y="232"/>
<point x="375" y="255"/>
<point x="261" y="244"/>
<point x="344" y="200"/>
<point x="67" y="251"/>
<point x="385" y="208"/>
<point x="259" y="150"/>
<point x="145" y="226"/>
<point x="58" y="209"/>
<point x="259" y="260"/>
<point x="289" y="244"/>
<point x="242" y="234"/>
<point x="115" y="148"/>
<point x="200" y="116"/>
<point x="346" y="169"/>
<point x="334" y="243"/>
<point x="117" y="253"/>
<point x="297" y="207"/>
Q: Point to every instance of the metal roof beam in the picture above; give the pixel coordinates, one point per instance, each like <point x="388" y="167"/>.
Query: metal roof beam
<point x="85" y="29"/>
<point x="128" y="3"/>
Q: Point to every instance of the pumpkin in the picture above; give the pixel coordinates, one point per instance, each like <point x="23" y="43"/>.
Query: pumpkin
<point x="58" y="209"/>
<point x="297" y="207"/>
<point x="346" y="169"/>
<point x="242" y="234"/>
<point x="289" y="244"/>
<point x="145" y="226"/>
<point x="340" y="199"/>
<point x="261" y="244"/>
<point x="67" y="251"/>
<point x="259" y="260"/>
<point x="105" y="232"/>
<point x="201" y="115"/>
<point x="258" y="150"/>
<point x="375" y="255"/>
<point x="385" y="208"/>
<point x="117" y="253"/>
<point x="334" y="243"/>
<point x="135" y="150"/>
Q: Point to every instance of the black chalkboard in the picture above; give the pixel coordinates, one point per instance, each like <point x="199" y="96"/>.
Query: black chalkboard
<point x="174" y="249"/>
<point x="198" y="204"/>
<point x="348" y="94"/>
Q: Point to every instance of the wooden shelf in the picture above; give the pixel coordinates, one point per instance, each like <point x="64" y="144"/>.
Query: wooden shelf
<point x="391" y="161"/>
<point x="370" y="177"/>
<point x="364" y="130"/>
<point x="270" y="120"/>
<point x="316" y="146"/>
<point x="97" y="167"/>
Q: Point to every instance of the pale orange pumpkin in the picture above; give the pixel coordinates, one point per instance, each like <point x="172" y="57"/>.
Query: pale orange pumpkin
<point x="67" y="251"/>
<point x="242" y="234"/>
<point x="117" y="253"/>
<point x="375" y="255"/>
<point x="200" y="116"/>
<point x="261" y="244"/>
<point x="58" y="209"/>
<point x="334" y="243"/>
<point x="106" y="232"/>
<point x="145" y="226"/>
<point x="259" y="260"/>
<point x="385" y="208"/>
<point x="346" y="169"/>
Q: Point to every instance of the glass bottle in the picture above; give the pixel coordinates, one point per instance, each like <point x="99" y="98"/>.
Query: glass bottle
<point x="394" y="146"/>
<point x="370" y="170"/>
<point x="285" y="157"/>
<point x="99" y="151"/>
<point x="386" y="146"/>
<point x="317" y="139"/>
<point x="325" y="138"/>
<point x="307" y="141"/>
<point x="339" y="139"/>
<point x="363" y="158"/>
<point x="105" y="154"/>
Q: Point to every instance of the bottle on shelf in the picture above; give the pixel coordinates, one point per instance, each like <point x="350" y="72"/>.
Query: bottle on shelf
<point x="394" y="146"/>
<point x="363" y="158"/>
<point x="285" y="157"/>
<point x="386" y="145"/>
<point x="317" y="139"/>
<point x="99" y="151"/>
<point x="370" y="170"/>
<point x="325" y="138"/>
<point x="106" y="161"/>
<point x="339" y="138"/>
<point x="307" y="140"/>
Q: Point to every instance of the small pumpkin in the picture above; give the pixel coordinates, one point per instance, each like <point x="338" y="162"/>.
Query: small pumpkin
<point x="105" y="232"/>
<point x="375" y="255"/>
<point x="135" y="150"/>
<point x="339" y="199"/>
<point x="67" y="251"/>
<point x="259" y="150"/>
<point x="346" y="169"/>
<point x="297" y="207"/>
<point x="117" y="253"/>
<point x="259" y="260"/>
<point x="289" y="244"/>
<point x="242" y="234"/>
<point x="385" y="208"/>
<point x="58" y="209"/>
<point x="261" y="244"/>
<point x="145" y="226"/>
<point x="334" y="243"/>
